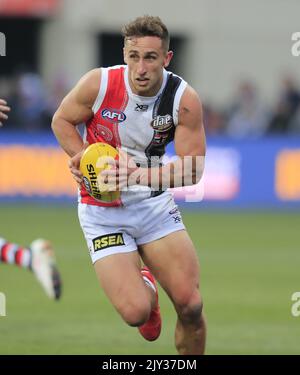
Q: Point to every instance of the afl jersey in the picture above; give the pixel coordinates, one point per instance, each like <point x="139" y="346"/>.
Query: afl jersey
<point x="140" y="125"/>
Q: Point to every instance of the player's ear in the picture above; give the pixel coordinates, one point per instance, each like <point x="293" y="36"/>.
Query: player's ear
<point x="124" y="55"/>
<point x="168" y="58"/>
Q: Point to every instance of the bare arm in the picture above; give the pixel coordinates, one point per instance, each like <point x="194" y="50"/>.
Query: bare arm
<point x="190" y="138"/>
<point x="75" y="109"/>
<point x="190" y="146"/>
<point x="3" y="110"/>
<point x="189" y="135"/>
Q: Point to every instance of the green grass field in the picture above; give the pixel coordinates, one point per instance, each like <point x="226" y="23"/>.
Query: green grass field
<point x="250" y="268"/>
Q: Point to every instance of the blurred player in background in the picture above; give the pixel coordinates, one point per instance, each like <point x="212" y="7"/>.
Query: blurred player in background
<point x="139" y="108"/>
<point x="4" y="109"/>
<point x="38" y="257"/>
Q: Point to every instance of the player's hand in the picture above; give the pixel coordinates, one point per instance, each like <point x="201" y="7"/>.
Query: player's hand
<point x="119" y="177"/>
<point x="74" y="164"/>
<point x="3" y="109"/>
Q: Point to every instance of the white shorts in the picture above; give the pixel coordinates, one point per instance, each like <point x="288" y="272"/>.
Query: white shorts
<point x="113" y="230"/>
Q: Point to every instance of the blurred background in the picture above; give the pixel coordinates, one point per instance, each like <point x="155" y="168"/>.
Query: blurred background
<point x="243" y="216"/>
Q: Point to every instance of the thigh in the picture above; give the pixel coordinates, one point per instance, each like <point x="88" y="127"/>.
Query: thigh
<point x="158" y="217"/>
<point x="105" y="232"/>
<point x="120" y="277"/>
<point x="174" y="263"/>
<point x="113" y="251"/>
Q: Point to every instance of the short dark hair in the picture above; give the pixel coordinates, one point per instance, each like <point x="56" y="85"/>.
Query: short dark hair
<point x="147" y="26"/>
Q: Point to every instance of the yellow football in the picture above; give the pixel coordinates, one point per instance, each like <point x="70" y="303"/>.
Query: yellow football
<point x="93" y="162"/>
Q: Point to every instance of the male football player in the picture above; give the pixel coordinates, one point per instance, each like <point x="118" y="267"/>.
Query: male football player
<point x="139" y="108"/>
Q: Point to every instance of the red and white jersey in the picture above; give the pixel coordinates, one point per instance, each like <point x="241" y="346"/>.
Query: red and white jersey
<point x="142" y="126"/>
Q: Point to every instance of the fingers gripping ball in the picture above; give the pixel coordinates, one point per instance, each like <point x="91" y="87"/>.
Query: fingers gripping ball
<point x="93" y="161"/>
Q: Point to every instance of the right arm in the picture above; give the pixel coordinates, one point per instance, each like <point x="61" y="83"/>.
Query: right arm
<point x="75" y="109"/>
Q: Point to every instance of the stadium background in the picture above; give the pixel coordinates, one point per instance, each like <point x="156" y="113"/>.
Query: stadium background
<point x="244" y="215"/>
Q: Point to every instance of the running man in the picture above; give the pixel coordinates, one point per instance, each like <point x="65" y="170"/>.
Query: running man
<point x="139" y="108"/>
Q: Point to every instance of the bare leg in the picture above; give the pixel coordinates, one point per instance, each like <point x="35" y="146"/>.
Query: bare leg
<point x="121" y="279"/>
<point x="173" y="261"/>
<point x="190" y="337"/>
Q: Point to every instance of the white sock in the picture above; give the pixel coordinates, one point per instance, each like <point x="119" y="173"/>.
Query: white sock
<point x="149" y="283"/>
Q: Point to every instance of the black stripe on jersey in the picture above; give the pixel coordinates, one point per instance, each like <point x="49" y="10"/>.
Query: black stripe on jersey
<point x="162" y="123"/>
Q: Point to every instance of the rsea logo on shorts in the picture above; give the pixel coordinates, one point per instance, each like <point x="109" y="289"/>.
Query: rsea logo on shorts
<point x="108" y="240"/>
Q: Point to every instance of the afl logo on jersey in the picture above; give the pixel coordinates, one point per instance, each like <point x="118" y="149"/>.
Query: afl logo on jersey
<point x="162" y="123"/>
<point x="113" y="115"/>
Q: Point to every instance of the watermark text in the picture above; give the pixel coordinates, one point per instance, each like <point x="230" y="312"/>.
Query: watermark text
<point x="296" y="46"/>
<point x="296" y="305"/>
<point x="2" y="304"/>
<point x="2" y="44"/>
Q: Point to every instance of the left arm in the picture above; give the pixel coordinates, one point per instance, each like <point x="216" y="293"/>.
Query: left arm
<point x="190" y="147"/>
<point x="189" y="135"/>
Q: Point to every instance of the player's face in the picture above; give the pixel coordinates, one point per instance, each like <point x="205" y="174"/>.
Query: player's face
<point x="146" y="60"/>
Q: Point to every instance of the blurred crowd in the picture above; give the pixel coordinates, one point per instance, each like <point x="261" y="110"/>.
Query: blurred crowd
<point x="33" y="104"/>
<point x="249" y="116"/>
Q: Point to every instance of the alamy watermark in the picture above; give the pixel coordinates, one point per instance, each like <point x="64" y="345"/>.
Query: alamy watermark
<point x="2" y="44"/>
<point x="180" y="173"/>
<point x="2" y="304"/>
<point x="295" y="310"/>
<point x="296" y="46"/>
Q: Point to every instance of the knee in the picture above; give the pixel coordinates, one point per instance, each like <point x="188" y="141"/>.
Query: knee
<point x="189" y="308"/>
<point x="135" y="314"/>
